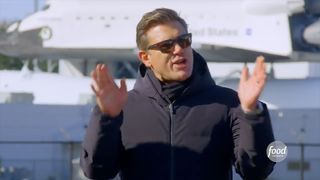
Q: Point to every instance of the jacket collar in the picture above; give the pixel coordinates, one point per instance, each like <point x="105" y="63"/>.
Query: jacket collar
<point x="200" y="79"/>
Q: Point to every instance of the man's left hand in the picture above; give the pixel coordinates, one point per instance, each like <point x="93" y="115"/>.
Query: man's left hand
<point x="250" y="87"/>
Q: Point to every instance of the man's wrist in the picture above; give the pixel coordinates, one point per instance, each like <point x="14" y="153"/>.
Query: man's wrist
<point x="258" y="110"/>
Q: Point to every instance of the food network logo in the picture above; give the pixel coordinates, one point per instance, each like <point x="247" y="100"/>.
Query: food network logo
<point x="277" y="151"/>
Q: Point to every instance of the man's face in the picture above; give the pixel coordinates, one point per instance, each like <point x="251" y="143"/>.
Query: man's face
<point x="175" y="65"/>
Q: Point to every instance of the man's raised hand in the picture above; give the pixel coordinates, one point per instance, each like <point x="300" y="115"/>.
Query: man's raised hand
<point x="110" y="98"/>
<point x="250" y="87"/>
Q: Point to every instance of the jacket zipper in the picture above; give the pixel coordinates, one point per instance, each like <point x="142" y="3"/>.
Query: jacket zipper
<point x="171" y="142"/>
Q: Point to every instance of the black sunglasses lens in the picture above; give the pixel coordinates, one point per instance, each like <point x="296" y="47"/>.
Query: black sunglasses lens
<point x="184" y="41"/>
<point x="166" y="46"/>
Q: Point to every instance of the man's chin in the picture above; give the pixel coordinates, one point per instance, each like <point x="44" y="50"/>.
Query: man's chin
<point x="182" y="76"/>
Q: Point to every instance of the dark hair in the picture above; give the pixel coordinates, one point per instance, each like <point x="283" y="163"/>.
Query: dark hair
<point x="154" y="18"/>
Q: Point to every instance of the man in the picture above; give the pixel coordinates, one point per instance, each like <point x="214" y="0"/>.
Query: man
<point x="176" y="124"/>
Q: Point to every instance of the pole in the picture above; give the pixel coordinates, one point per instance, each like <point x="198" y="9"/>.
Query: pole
<point x="35" y="2"/>
<point x="71" y="158"/>
<point x="302" y="162"/>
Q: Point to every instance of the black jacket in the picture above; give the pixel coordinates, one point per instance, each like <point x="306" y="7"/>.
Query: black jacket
<point x="197" y="137"/>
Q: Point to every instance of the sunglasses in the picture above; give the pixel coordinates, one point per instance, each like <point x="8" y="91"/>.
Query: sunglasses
<point x="167" y="46"/>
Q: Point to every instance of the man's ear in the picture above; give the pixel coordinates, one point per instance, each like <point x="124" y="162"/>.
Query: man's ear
<point x="144" y="58"/>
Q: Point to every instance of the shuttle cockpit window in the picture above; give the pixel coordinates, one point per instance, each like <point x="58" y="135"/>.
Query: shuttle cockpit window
<point x="45" y="7"/>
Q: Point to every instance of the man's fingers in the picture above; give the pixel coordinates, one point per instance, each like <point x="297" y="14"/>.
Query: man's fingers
<point x="102" y="76"/>
<point x="94" y="75"/>
<point x="105" y="72"/>
<point x="94" y="90"/>
<point x="260" y="67"/>
<point x="244" y="74"/>
<point x="99" y="78"/>
<point x="123" y="85"/>
<point x="103" y="81"/>
<point x="98" y="73"/>
<point x="261" y="70"/>
<point x="259" y="82"/>
<point x="107" y="77"/>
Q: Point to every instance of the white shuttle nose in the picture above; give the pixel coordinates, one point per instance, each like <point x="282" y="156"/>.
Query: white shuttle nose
<point x="311" y="33"/>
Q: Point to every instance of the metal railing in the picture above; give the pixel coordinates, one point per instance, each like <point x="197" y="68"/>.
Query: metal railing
<point x="46" y="160"/>
<point x="40" y="160"/>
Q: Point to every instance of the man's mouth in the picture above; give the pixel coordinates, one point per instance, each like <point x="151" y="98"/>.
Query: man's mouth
<point x="180" y="63"/>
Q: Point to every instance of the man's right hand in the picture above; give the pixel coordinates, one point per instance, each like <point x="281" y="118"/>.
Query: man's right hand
<point x="110" y="98"/>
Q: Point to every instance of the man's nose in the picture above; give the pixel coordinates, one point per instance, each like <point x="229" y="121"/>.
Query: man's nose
<point x="177" y="48"/>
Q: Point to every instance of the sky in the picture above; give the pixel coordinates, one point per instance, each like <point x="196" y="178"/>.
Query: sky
<point x="11" y="10"/>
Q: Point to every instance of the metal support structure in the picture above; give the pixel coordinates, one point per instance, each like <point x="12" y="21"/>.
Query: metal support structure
<point x="36" y="5"/>
<point x="302" y="161"/>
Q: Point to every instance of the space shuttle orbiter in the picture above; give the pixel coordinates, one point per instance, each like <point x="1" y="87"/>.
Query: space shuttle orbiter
<point x="223" y="30"/>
